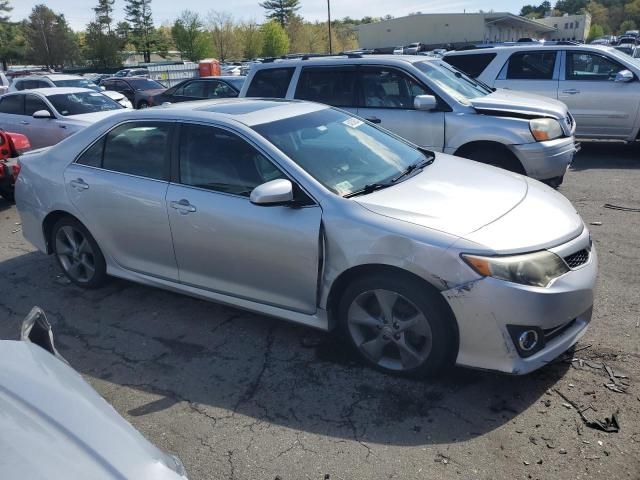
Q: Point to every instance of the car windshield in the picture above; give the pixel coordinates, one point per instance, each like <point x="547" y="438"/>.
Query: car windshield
<point x="144" y="84"/>
<point x="342" y="152"/>
<point x="75" y="82"/>
<point x="457" y="84"/>
<point x="68" y="104"/>
<point x="236" y="82"/>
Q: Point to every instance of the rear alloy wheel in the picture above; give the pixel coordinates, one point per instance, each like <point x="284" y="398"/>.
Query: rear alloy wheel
<point x="78" y="254"/>
<point x="142" y="105"/>
<point x="396" y="326"/>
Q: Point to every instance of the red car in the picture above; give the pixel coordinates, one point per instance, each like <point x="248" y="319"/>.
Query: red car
<point x="11" y="144"/>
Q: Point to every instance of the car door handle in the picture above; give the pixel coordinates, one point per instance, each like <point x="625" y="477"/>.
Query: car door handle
<point x="572" y="91"/>
<point x="183" y="206"/>
<point x="373" y="120"/>
<point x="79" y="184"/>
<point x="24" y="122"/>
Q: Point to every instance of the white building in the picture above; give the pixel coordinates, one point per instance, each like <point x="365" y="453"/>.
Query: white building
<point x="439" y="29"/>
<point x="568" y="27"/>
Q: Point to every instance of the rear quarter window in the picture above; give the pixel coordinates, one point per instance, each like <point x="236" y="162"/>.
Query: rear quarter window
<point x="270" y="83"/>
<point x="472" y="65"/>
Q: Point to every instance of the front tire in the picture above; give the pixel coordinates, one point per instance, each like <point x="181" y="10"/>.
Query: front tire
<point x="497" y="157"/>
<point x="397" y="324"/>
<point x="78" y="254"/>
<point x="142" y="104"/>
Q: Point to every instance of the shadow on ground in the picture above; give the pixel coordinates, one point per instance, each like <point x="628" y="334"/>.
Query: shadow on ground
<point x="224" y="362"/>
<point x="607" y="155"/>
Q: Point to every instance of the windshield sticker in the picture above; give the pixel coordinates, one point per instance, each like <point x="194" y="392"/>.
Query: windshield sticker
<point x="353" y="122"/>
<point x="344" y="188"/>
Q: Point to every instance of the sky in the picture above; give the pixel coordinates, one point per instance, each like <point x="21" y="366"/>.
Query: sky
<point x="79" y="12"/>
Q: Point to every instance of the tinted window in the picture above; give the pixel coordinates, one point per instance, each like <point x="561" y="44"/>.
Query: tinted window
<point x="194" y="89"/>
<point x="82" y="102"/>
<point x="92" y="156"/>
<point x="218" y="160"/>
<point x="139" y="148"/>
<point x="270" y="82"/>
<point x="13" y="104"/>
<point x="591" y="66"/>
<point x="389" y="88"/>
<point x="220" y="90"/>
<point x="472" y="65"/>
<point x="144" y="84"/>
<point x="531" y="66"/>
<point x="32" y="104"/>
<point x="75" y="82"/>
<point x="333" y="86"/>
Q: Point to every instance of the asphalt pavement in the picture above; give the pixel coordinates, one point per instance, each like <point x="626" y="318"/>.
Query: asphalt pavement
<point x="242" y="396"/>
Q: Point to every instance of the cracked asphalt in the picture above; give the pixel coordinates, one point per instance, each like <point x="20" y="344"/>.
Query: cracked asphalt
<point x="241" y="396"/>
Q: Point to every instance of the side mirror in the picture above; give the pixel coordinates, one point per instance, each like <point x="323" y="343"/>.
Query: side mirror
<point x="42" y="114"/>
<point x="425" y="103"/>
<point x="275" y="192"/>
<point x="624" y="76"/>
<point x="102" y="88"/>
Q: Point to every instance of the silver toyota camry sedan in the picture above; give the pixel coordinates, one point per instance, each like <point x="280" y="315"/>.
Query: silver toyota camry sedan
<point x="307" y="213"/>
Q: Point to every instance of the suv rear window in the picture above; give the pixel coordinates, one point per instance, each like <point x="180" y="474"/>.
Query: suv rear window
<point x="472" y="64"/>
<point x="531" y="66"/>
<point x="331" y="85"/>
<point x="270" y="83"/>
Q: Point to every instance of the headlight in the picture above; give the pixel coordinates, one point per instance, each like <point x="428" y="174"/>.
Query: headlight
<point x="537" y="269"/>
<point x="545" y="129"/>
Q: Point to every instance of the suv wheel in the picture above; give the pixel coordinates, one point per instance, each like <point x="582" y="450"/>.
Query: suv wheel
<point x="497" y="156"/>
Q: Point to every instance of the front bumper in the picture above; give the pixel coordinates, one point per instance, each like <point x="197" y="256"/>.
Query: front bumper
<point x="485" y="307"/>
<point x="546" y="160"/>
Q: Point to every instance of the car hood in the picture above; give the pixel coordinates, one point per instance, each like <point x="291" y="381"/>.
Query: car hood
<point x="55" y="426"/>
<point x="497" y="209"/>
<point x="523" y="103"/>
<point x="91" y="118"/>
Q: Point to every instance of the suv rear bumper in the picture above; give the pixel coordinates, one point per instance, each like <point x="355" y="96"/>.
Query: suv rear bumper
<point x="546" y="160"/>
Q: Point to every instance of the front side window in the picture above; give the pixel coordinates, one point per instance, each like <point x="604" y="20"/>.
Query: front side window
<point x="194" y="89"/>
<point x="340" y="151"/>
<point x="33" y="104"/>
<point x="270" y="83"/>
<point x="472" y="65"/>
<point x="220" y="90"/>
<point x="388" y="88"/>
<point x="139" y="148"/>
<point x="68" y="104"/>
<point x="531" y="66"/>
<point x="329" y="85"/>
<point x="12" y="104"/>
<point x="591" y="66"/>
<point x="215" y="159"/>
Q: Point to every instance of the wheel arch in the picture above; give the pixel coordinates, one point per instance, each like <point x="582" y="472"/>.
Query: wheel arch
<point x="341" y="282"/>
<point x="49" y="221"/>
<point x="496" y="147"/>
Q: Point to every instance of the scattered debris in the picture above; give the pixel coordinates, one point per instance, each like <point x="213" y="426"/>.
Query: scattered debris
<point x="526" y="463"/>
<point x="567" y="405"/>
<point x="63" y="280"/>
<point x="595" y="223"/>
<point x="609" y="424"/>
<point x="621" y="208"/>
<point x="312" y="341"/>
<point x="562" y="451"/>
<point x="600" y="442"/>
<point x="442" y="458"/>
<point x="539" y="462"/>
<point x="533" y="440"/>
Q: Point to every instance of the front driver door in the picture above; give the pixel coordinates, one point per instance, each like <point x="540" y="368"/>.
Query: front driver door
<point x="601" y="106"/>
<point x="387" y="96"/>
<point x="42" y="132"/>
<point x="119" y="186"/>
<point x="226" y="244"/>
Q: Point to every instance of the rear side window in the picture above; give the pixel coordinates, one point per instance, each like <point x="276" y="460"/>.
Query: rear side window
<point x="333" y="86"/>
<point x="472" y="65"/>
<point x="270" y="83"/>
<point x="139" y="148"/>
<point x="531" y="66"/>
<point x="13" y="104"/>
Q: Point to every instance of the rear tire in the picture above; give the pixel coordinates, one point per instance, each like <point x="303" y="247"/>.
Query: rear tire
<point x="78" y="254"/>
<point x="142" y="104"/>
<point x="397" y="324"/>
<point x="497" y="156"/>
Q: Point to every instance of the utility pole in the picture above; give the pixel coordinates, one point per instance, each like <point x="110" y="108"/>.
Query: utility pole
<point x="329" y="15"/>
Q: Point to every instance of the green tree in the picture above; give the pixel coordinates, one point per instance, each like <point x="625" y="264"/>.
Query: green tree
<point x="13" y="45"/>
<point x="281" y="10"/>
<point x="189" y="36"/>
<point x="5" y="8"/>
<point x="104" y="14"/>
<point x="250" y="36"/>
<point x="533" y="11"/>
<point x="275" y="40"/>
<point x="142" y="34"/>
<point x="49" y="39"/>
<point x="627" y="25"/>
<point x="595" y="31"/>
<point x="223" y="34"/>
<point x="102" y="45"/>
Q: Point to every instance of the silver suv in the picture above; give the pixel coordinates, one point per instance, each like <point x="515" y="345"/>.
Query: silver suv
<point x="433" y="105"/>
<point x="600" y="85"/>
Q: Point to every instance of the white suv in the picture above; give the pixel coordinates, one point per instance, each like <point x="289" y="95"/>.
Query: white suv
<point x="600" y="85"/>
<point x="433" y="105"/>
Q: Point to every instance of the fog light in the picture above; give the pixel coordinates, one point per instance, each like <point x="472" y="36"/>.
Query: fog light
<point x="527" y="339"/>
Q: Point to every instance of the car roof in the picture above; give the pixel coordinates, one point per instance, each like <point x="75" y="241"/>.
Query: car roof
<point x="248" y="111"/>
<point x="46" y="92"/>
<point x="350" y="59"/>
<point x="527" y="46"/>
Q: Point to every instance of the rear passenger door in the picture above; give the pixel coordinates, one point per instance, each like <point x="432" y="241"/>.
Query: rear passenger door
<point x="12" y="117"/>
<point x="386" y="98"/>
<point x="531" y="71"/>
<point x="335" y="86"/>
<point x="119" y="185"/>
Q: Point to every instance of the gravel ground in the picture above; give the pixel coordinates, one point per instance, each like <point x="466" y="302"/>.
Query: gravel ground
<point x="241" y="396"/>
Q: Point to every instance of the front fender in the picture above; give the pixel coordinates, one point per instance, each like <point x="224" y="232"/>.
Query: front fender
<point x="465" y="128"/>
